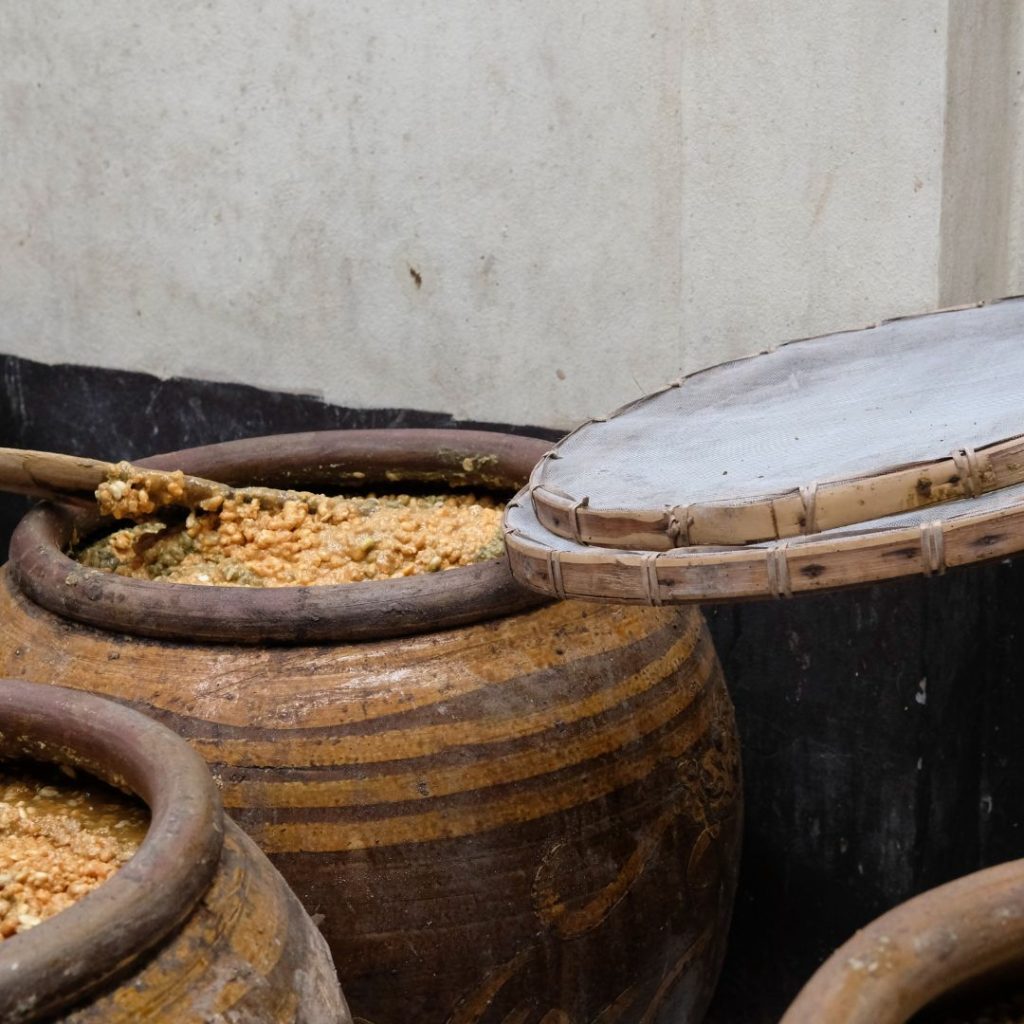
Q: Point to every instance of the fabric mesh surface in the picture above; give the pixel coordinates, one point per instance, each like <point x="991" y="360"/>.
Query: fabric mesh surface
<point x="832" y="408"/>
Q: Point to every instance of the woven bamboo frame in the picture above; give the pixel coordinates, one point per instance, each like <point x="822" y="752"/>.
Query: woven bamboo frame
<point x="776" y="569"/>
<point x="966" y="473"/>
<point x="814" y="507"/>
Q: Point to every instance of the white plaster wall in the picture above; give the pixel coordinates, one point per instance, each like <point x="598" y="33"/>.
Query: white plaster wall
<point x="981" y="208"/>
<point x="812" y="175"/>
<point x="592" y="196"/>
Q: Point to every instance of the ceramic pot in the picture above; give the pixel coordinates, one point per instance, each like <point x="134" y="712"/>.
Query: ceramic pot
<point x="502" y="810"/>
<point x="969" y="933"/>
<point x="196" y="928"/>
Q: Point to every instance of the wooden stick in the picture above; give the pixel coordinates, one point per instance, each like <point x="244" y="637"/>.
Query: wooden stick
<point x="77" y="479"/>
<point x="49" y="475"/>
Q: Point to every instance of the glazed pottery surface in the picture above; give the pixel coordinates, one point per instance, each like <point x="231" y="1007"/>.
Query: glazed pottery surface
<point x="197" y="927"/>
<point x="530" y="815"/>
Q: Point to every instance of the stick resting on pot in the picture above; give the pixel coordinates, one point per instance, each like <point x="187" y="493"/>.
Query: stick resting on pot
<point x="122" y="490"/>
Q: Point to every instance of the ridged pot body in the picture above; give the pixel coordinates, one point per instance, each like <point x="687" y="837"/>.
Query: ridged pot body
<point x="534" y="818"/>
<point x="529" y="815"/>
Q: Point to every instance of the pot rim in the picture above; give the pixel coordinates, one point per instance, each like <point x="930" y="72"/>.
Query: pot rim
<point x="109" y="930"/>
<point x="923" y="949"/>
<point x="370" y="610"/>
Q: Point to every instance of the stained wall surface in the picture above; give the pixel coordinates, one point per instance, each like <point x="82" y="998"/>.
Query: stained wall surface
<point x="522" y="212"/>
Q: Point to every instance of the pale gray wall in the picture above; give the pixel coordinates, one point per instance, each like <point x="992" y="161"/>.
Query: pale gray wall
<point x="595" y="195"/>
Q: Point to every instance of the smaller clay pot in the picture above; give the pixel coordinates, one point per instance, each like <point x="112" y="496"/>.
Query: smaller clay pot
<point x="196" y="927"/>
<point x="957" y="935"/>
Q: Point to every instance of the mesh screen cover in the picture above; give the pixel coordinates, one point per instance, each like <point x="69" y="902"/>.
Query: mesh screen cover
<point x="835" y="408"/>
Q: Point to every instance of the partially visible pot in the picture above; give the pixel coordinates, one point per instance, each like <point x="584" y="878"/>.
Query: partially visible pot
<point x="196" y="927"/>
<point x="928" y="948"/>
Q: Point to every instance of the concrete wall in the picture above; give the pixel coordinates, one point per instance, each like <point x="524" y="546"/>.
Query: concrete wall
<point x="523" y="212"/>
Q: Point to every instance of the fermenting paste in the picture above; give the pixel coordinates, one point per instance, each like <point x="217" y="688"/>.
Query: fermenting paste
<point x="58" y="841"/>
<point x="314" y="540"/>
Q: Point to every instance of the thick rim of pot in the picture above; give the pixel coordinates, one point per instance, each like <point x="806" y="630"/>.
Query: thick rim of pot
<point x="922" y="950"/>
<point x="100" y="937"/>
<point x="315" y="460"/>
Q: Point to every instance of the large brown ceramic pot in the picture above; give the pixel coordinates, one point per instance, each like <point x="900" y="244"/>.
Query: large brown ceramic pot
<point x="500" y="810"/>
<point x="960" y="940"/>
<point x="196" y="928"/>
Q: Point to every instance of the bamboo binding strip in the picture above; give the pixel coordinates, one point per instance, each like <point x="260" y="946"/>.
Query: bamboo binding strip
<point x="599" y="487"/>
<point x="919" y="543"/>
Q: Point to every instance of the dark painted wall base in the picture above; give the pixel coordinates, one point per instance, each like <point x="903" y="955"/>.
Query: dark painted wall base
<point x="882" y="756"/>
<point x="114" y="414"/>
<point x="881" y="727"/>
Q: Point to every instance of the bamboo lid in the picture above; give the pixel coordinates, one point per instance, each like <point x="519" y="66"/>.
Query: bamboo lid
<point x="921" y="542"/>
<point x="812" y="436"/>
